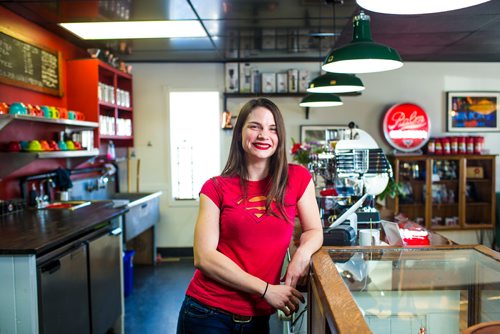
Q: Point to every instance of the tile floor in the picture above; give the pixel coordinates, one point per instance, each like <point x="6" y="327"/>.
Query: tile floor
<point x="158" y="292"/>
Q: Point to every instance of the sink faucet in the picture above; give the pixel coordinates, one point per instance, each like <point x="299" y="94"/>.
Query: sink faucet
<point x="43" y="199"/>
<point x="104" y="178"/>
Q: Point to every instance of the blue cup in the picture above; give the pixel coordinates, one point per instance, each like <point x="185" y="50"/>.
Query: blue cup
<point x="62" y="145"/>
<point x="17" y="108"/>
<point x="24" y="145"/>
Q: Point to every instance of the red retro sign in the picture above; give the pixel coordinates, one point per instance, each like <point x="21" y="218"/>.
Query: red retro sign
<point x="406" y="127"/>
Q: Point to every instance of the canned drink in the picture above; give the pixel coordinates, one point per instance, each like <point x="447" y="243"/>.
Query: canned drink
<point x="478" y="144"/>
<point x="431" y="146"/>
<point x="453" y="145"/>
<point x="462" y="148"/>
<point x="470" y="145"/>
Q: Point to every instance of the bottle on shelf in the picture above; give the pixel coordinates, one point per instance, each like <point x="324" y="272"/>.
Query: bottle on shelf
<point x="111" y="155"/>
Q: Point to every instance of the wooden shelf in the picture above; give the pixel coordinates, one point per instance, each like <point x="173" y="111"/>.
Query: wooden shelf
<point x="83" y="95"/>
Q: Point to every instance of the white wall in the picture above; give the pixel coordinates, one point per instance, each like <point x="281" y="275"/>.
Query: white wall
<point x="425" y="84"/>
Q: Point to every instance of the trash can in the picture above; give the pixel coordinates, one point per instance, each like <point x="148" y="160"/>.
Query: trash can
<point x="128" y="272"/>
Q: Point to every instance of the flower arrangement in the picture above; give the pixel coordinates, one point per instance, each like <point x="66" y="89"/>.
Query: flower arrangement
<point x="301" y="152"/>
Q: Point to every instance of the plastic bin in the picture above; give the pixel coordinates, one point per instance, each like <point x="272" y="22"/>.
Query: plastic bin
<point x="128" y="272"/>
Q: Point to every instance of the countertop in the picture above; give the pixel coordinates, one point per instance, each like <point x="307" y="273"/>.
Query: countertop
<point x="38" y="231"/>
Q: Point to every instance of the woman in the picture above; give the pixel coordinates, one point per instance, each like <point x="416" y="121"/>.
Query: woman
<point x="244" y="226"/>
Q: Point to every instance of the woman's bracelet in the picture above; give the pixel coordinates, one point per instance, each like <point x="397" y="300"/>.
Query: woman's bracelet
<point x="267" y="285"/>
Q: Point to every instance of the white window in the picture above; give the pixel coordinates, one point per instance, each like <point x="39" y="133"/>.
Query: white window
<point x="194" y="141"/>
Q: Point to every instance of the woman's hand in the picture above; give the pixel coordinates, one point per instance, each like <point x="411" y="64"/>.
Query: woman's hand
<point x="284" y="298"/>
<point x="297" y="270"/>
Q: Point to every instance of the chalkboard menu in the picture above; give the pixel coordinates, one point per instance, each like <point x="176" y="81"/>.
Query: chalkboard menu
<point x="29" y="66"/>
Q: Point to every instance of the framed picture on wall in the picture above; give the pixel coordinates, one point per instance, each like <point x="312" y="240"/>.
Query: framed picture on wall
<point x="472" y="111"/>
<point x="321" y="134"/>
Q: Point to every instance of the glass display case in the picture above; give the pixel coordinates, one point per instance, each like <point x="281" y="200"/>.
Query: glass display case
<point x="385" y="290"/>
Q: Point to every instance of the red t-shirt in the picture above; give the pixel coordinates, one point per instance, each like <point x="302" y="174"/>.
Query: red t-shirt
<point x="254" y="240"/>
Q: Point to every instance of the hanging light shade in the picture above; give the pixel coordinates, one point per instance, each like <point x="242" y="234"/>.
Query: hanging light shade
<point x="362" y="55"/>
<point x="335" y="83"/>
<point x="321" y="100"/>
<point x="416" y="6"/>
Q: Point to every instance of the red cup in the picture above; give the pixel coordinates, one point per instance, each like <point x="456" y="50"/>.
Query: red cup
<point x="14" y="146"/>
<point x="53" y="146"/>
<point x="63" y="113"/>
<point x="4" y="108"/>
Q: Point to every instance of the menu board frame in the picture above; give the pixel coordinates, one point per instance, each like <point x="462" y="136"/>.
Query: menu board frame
<point x="33" y="85"/>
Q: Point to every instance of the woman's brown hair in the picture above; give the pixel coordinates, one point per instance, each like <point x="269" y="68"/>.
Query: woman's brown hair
<point x="278" y="165"/>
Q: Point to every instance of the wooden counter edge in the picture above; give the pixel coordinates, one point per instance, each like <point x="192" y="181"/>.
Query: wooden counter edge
<point x="339" y="307"/>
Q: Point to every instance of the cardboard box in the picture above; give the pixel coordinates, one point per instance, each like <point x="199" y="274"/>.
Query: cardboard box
<point x="293" y="81"/>
<point x="476" y="172"/>
<point x="282" y="82"/>
<point x="256" y="81"/>
<point x="304" y="78"/>
<point x="232" y="74"/>
<point x="268" y="82"/>
<point x="245" y="78"/>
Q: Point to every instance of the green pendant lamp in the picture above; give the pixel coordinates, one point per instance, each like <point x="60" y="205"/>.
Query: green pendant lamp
<point x="336" y="83"/>
<point x="362" y="55"/>
<point x="321" y="100"/>
<point x="412" y="7"/>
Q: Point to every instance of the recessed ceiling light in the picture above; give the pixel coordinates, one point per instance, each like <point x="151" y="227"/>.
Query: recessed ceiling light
<point x="136" y="29"/>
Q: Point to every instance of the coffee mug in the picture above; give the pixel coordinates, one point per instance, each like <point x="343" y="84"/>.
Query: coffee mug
<point x="53" y="146"/>
<point x="62" y="145"/>
<point x="71" y="115"/>
<point x="17" y="108"/>
<point x="4" y="108"/>
<point x="54" y="113"/>
<point x="45" y="145"/>
<point x="63" y="113"/>
<point x="70" y="145"/>
<point x="369" y="237"/>
<point x="14" y="146"/>
<point x="79" y="115"/>
<point x="46" y="111"/>
<point x="34" y="146"/>
<point x="24" y="145"/>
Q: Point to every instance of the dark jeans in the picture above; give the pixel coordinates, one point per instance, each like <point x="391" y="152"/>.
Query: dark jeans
<point x="196" y="318"/>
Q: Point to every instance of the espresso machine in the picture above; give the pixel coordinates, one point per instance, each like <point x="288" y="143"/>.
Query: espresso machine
<point x="349" y="173"/>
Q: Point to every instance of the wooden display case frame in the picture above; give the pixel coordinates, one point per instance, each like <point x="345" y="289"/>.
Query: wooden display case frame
<point x="482" y="208"/>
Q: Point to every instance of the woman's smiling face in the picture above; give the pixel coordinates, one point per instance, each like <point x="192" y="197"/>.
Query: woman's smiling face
<point x="259" y="137"/>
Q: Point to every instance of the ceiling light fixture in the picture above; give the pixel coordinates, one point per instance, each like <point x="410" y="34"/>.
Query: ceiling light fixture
<point x="321" y="100"/>
<point x="362" y="54"/>
<point x="136" y="29"/>
<point x="336" y="83"/>
<point x="409" y="7"/>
